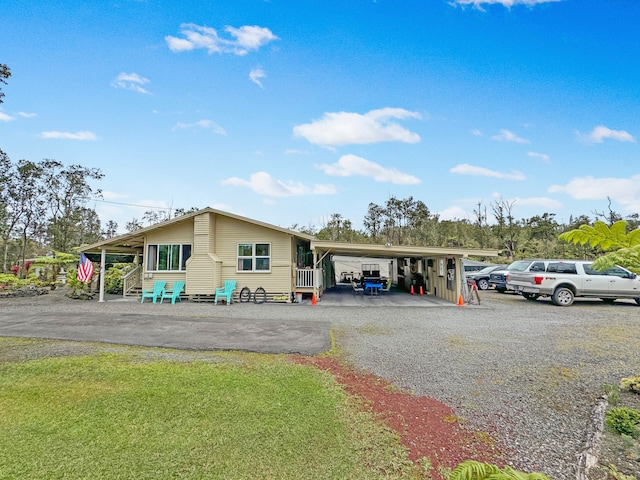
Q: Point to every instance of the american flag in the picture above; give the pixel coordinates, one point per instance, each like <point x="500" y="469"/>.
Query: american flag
<point x="85" y="269"/>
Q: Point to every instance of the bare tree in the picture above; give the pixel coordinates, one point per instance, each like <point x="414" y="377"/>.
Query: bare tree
<point x="507" y="227"/>
<point x="611" y="216"/>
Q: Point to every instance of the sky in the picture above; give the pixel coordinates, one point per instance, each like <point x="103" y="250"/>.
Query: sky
<point x="289" y="111"/>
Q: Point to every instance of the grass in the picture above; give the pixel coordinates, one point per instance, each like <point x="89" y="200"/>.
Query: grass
<point x="129" y="414"/>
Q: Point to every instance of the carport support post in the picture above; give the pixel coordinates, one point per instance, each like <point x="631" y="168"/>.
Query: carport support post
<point x="103" y="260"/>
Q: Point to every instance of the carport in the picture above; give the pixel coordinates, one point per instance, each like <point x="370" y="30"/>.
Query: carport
<point x="438" y="270"/>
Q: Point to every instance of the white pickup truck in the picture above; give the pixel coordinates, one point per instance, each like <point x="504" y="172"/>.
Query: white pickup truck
<point x="567" y="279"/>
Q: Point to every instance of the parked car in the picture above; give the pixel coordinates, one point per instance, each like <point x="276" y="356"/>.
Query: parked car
<point x="481" y="277"/>
<point x="498" y="278"/>
<point x="565" y="280"/>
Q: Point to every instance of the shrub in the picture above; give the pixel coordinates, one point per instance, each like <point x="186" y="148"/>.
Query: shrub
<point x="631" y="383"/>
<point x="113" y="282"/>
<point x="624" y="420"/>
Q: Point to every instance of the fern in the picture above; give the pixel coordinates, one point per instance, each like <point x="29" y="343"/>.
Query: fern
<point x="473" y="470"/>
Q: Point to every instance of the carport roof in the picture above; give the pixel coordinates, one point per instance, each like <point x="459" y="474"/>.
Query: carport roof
<point x="396" y="251"/>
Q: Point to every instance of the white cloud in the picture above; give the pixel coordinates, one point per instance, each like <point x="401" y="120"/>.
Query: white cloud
<point x="466" y="169"/>
<point x="507" y="136"/>
<point x="505" y="3"/>
<point x="477" y="133"/>
<point x="626" y="191"/>
<point x="539" y="156"/>
<point x="131" y="81"/>
<point x="453" y="213"/>
<point x="600" y="133"/>
<point x="204" y="123"/>
<point x="27" y="115"/>
<point x="345" y="128"/>
<point x="352" y="165"/>
<point x="264" y="184"/>
<point x="242" y="41"/>
<point x="6" y="118"/>
<point x="255" y="75"/>
<point x="70" y="136"/>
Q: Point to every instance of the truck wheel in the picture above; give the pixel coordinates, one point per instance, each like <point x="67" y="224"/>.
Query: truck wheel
<point x="483" y="284"/>
<point x="563" y="297"/>
<point x="501" y="290"/>
<point x="531" y="296"/>
<point x="637" y="299"/>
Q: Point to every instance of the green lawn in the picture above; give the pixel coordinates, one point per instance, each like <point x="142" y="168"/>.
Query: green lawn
<point x="135" y="415"/>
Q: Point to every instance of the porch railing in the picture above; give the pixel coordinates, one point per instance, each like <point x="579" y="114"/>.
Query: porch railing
<point x="131" y="280"/>
<point x="305" y="277"/>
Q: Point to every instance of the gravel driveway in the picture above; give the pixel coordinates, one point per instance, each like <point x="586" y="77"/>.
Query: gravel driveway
<point x="528" y="371"/>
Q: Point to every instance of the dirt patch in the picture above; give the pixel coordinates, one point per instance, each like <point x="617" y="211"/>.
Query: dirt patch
<point x="427" y="428"/>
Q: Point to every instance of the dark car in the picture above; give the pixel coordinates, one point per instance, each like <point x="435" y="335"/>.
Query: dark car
<point x="498" y="278"/>
<point x="481" y="277"/>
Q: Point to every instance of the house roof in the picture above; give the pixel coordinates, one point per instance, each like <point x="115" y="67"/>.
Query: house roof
<point x="395" y="251"/>
<point x="133" y="241"/>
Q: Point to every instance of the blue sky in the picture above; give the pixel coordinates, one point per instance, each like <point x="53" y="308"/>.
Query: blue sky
<point x="289" y="111"/>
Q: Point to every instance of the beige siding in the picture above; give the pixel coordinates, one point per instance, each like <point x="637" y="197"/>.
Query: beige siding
<point x="203" y="268"/>
<point x="178" y="233"/>
<point x="214" y="239"/>
<point x="440" y="283"/>
<point x="231" y="232"/>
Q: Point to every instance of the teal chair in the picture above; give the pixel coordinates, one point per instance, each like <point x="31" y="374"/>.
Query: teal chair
<point x="226" y="292"/>
<point x="174" y="293"/>
<point x="158" y="290"/>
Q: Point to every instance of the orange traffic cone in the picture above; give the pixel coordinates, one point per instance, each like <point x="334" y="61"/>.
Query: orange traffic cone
<point x="313" y="299"/>
<point x="412" y="292"/>
<point x="421" y="291"/>
<point x="460" y="301"/>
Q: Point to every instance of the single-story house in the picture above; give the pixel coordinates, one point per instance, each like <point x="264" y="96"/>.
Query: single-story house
<point x="207" y="247"/>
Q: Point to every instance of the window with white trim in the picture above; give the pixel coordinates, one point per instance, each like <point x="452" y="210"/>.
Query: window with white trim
<point x="167" y="257"/>
<point x="254" y="257"/>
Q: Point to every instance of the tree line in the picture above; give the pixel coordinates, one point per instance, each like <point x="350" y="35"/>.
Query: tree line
<point x="410" y="222"/>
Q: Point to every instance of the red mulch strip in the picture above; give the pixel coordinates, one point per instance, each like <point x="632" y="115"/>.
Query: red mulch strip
<point x="427" y="427"/>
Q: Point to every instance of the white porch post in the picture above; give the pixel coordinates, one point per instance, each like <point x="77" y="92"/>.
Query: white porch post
<point x="103" y="259"/>
<point x="315" y="274"/>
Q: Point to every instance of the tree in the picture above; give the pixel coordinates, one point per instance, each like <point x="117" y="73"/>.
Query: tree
<point x="373" y="221"/>
<point x="507" y="227"/>
<point x="133" y="225"/>
<point x="5" y="73"/>
<point x="66" y="190"/>
<point x="481" y="225"/>
<point x="20" y="199"/>
<point x="543" y="230"/>
<point x="110" y="229"/>
<point x="619" y="246"/>
<point x="611" y="216"/>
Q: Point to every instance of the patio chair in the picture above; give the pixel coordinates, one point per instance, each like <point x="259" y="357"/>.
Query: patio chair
<point x="174" y="293"/>
<point x="158" y="290"/>
<point x="357" y="288"/>
<point x="226" y="292"/>
<point x="387" y="287"/>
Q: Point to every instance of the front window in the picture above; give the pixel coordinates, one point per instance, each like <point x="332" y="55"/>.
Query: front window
<point x="519" y="266"/>
<point x="254" y="257"/>
<point x="167" y="257"/>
